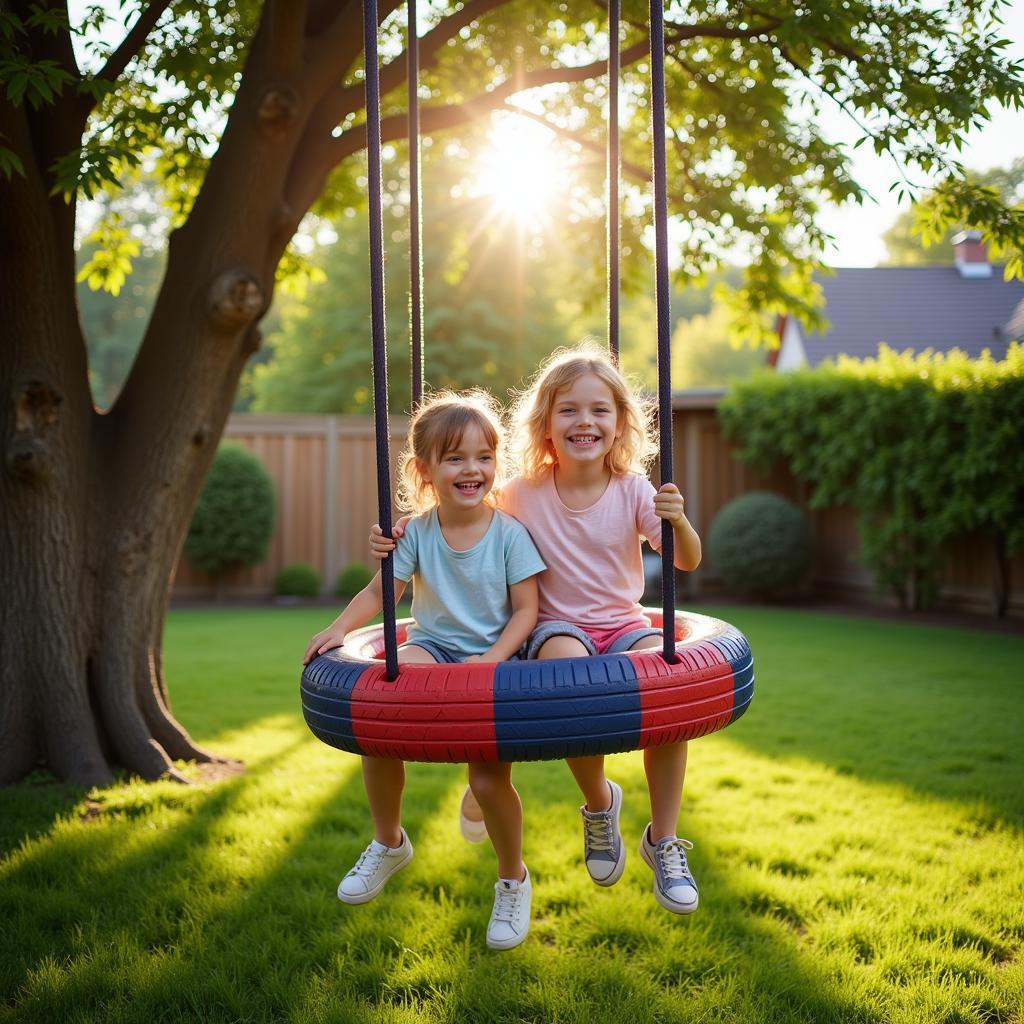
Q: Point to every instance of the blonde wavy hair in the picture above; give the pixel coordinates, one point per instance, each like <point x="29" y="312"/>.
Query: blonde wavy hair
<point x="438" y="426"/>
<point x="631" y="452"/>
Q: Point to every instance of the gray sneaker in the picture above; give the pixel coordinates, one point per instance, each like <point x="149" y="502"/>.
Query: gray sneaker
<point x="376" y="864"/>
<point x="674" y="887"/>
<point x="510" y="916"/>
<point x="603" y="850"/>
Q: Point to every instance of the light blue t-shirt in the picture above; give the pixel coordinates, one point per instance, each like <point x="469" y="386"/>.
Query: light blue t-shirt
<point x="460" y="599"/>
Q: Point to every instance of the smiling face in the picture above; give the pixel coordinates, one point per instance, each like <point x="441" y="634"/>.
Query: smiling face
<point x="584" y="422"/>
<point x="463" y="475"/>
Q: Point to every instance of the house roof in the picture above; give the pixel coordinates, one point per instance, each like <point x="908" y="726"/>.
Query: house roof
<point x="915" y="308"/>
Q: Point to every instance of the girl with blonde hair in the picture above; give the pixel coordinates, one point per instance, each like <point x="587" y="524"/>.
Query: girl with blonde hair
<point x="474" y="574"/>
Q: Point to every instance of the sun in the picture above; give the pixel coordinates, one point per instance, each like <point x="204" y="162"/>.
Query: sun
<point x="523" y="171"/>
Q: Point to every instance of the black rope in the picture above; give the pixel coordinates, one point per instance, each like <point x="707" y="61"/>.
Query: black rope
<point x="412" y="47"/>
<point x="380" y="348"/>
<point x="668" y="579"/>
<point x="613" y="179"/>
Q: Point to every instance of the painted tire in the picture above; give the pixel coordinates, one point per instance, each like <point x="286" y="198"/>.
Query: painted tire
<point x="529" y="710"/>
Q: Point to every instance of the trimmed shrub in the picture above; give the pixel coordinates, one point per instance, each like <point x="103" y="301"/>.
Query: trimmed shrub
<point x="234" y="517"/>
<point x="760" y="544"/>
<point x="297" y="580"/>
<point x="352" y="579"/>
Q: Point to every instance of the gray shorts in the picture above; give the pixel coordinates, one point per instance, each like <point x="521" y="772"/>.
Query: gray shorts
<point x="622" y="643"/>
<point x="441" y="654"/>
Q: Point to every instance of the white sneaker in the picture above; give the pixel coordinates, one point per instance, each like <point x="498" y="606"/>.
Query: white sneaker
<point x="472" y="831"/>
<point x="674" y="887"/>
<point x="603" y="851"/>
<point x="510" y="917"/>
<point x="376" y="864"/>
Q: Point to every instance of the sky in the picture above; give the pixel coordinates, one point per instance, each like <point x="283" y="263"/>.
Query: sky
<point x="858" y="230"/>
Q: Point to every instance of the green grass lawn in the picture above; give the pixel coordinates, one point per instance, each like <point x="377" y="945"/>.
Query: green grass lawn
<point x="859" y="845"/>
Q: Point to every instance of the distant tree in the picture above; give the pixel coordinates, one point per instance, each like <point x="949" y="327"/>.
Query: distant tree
<point x="691" y="300"/>
<point x="252" y="115"/>
<point x="490" y="309"/>
<point x="903" y="242"/>
<point x="113" y="324"/>
<point x="120" y="263"/>
<point x="704" y="355"/>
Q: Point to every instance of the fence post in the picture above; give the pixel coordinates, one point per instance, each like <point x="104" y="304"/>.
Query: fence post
<point x="330" y="503"/>
<point x="691" y="445"/>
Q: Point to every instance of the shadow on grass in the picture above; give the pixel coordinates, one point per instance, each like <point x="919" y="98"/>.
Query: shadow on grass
<point x="207" y="919"/>
<point x="210" y="920"/>
<point x="166" y="931"/>
<point x="938" y="711"/>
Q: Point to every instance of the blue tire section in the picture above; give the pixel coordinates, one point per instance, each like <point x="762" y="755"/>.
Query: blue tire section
<point x="327" y="685"/>
<point x="545" y="710"/>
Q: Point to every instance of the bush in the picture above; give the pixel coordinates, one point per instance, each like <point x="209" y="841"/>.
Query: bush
<point x="760" y="544"/>
<point x="297" y="580"/>
<point x="352" y="579"/>
<point x="234" y="517"/>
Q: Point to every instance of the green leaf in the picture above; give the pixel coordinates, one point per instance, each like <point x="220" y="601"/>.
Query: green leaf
<point x="10" y="163"/>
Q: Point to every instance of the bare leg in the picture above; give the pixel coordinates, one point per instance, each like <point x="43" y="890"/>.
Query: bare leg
<point x="470" y="806"/>
<point x="665" y="767"/>
<point x="503" y="812"/>
<point x="589" y="775"/>
<point x="384" y="777"/>
<point x="587" y="771"/>
<point x="384" y="780"/>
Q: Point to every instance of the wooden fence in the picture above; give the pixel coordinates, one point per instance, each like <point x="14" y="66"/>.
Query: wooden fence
<point x="324" y="470"/>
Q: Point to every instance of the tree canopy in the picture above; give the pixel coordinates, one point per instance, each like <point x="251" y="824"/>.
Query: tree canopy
<point x="747" y="84"/>
<point x="904" y="242"/>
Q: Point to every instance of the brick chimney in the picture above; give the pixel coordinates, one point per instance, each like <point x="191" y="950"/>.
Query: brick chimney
<point x="971" y="255"/>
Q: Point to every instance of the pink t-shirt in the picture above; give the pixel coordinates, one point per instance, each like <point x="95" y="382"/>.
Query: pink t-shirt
<point x="595" y="575"/>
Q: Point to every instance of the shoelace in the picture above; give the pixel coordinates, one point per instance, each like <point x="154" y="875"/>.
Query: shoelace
<point x="597" y="833"/>
<point x="369" y="861"/>
<point x="673" y="859"/>
<point x="505" y="904"/>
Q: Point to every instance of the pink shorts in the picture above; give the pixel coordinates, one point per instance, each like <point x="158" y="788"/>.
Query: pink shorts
<point x="616" y="640"/>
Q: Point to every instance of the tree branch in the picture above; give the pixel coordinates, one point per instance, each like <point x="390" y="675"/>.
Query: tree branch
<point x="318" y="152"/>
<point x="451" y="115"/>
<point x="133" y="41"/>
<point x="394" y="73"/>
<point x="684" y="32"/>
<point x="286" y="22"/>
<point x="676" y="33"/>
<point x="331" y="50"/>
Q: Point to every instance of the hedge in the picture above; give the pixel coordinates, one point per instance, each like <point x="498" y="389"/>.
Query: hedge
<point x="925" y="447"/>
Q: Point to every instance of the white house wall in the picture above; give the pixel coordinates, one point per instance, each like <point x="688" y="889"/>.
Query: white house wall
<point x="792" y="354"/>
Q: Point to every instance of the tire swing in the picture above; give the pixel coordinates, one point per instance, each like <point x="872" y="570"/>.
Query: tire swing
<point x="354" y="698"/>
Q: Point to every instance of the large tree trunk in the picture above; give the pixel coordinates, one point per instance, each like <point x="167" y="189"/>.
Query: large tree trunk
<point x="92" y="524"/>
<point x="95" y="507"/>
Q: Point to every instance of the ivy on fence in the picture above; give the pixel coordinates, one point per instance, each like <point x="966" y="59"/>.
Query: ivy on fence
<point x="925" y="447"/>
